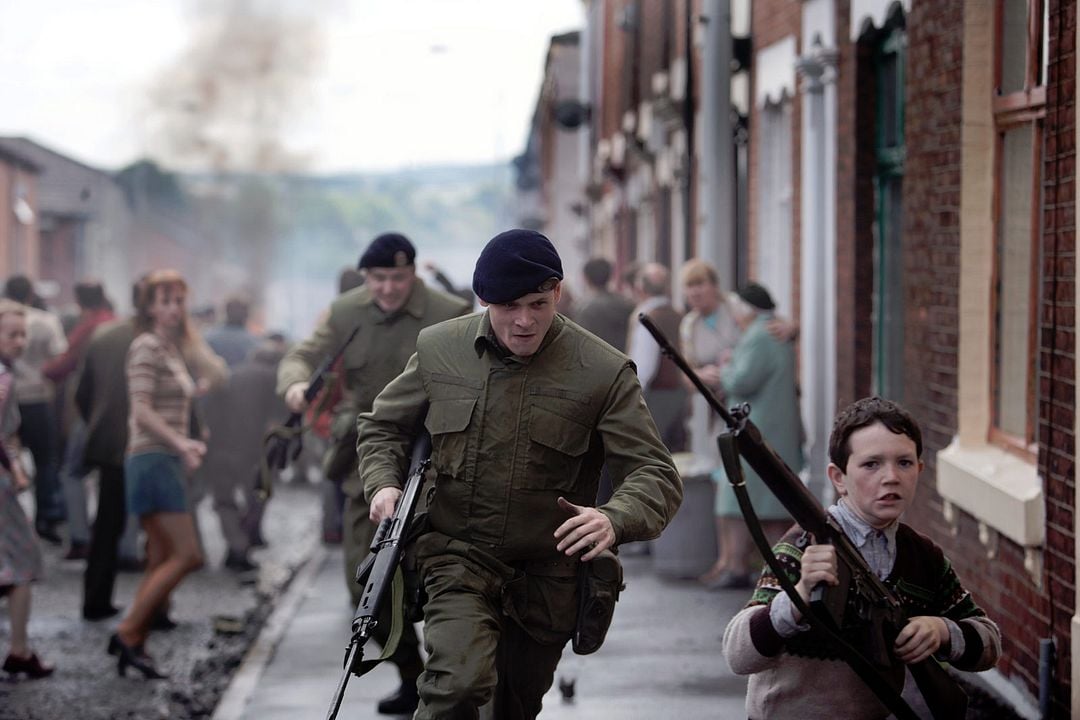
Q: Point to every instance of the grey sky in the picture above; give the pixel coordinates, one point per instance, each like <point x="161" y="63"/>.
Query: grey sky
<point x="387" y="83"/>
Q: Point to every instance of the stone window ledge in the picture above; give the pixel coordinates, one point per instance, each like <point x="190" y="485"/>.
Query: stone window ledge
<point x="1002" y="491"/>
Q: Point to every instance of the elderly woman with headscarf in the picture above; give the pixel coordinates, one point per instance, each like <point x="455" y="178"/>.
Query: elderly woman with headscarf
<point x="759" y="371"/>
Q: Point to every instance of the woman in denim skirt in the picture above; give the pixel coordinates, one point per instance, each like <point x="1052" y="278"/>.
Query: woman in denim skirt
<point x="160" y="453"/>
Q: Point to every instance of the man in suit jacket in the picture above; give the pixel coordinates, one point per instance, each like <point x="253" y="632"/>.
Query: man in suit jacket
<point x="102" y="400"/>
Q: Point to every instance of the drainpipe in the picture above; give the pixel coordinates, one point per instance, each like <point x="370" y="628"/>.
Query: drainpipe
<point x="716" y="185"/>
<point x="1046" y="677"/>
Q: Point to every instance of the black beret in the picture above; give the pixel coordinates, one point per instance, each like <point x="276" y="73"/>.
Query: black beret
<point x="389" y="250"/>
<point x="757" y="296"/>
<point x="515" y="263"/>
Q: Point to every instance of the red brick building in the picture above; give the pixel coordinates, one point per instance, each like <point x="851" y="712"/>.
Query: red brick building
<point x="19" y="219"/>
<point x="909" y="196"/>
<point x="954" y="275"/>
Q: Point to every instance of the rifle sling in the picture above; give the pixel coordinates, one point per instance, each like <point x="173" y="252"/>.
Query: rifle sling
<point x="863" y="668"/>
<point x="397" y="625"/>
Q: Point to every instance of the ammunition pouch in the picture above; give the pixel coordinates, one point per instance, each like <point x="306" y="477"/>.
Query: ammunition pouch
<point x="599" y="583"/>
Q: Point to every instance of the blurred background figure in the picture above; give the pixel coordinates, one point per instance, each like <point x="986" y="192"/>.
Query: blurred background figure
<point x="607" y="315"/>
<point x="238" y="414"/>
<point x="604" y="313"/>
<point x="707" y="334"/>
<point x="661" y="381"/>
<point x="39" y="429"/>
<point x="101" y="399"/>
<point x="94" y="311"/>
<point x="20" y="557"/>
<point x="231" y="340"/>
<point x="760" y="370"/>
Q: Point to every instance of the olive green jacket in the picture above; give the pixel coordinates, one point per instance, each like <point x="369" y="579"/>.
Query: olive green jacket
<point x="380" y="349"/>
<point x="511" y="435"/>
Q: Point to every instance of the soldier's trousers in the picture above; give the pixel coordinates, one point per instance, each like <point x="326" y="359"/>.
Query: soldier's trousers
<point x="359" y="530"/>
<point x="475" y="651"/>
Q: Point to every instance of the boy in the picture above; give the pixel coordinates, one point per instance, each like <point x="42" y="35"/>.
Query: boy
<point x="875" y="450"/>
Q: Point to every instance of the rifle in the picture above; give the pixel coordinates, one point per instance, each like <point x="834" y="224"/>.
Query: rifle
<point x="278" y="441"/>
<point x="381" y="576"/>
<point x="877" y="608"/>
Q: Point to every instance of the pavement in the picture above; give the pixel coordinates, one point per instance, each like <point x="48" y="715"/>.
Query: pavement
<point x="199" y="660"/>
<point x="661" y="658"/>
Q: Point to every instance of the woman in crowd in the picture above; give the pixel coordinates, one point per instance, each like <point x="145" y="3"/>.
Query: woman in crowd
<point x="20" y="557"/>
<point x="707" y="333"/>
<point x="160" y="452"/>
<point x="760" y="370"/>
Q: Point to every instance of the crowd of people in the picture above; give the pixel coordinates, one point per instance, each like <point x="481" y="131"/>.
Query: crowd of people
<point x="553" y="425"/>
<point x="160" y="412"/>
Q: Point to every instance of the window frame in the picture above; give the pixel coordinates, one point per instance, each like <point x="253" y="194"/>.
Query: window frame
<point x="887" y="371"/>
<point x="1020" y="108"/>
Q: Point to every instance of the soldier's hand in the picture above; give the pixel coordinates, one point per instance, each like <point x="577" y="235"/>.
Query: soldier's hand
<point x="920" y="638"/>
<point x="587" y="529"/>
<point x="294" y="397"/>
<point x="384" y="503"/>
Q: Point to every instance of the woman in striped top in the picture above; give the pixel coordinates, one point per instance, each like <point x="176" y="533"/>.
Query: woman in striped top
<point x="160" y="452"/>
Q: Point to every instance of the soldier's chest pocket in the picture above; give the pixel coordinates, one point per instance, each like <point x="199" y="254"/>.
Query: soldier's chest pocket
<point x="557" y="447"/>
<point x="448" y="423"/>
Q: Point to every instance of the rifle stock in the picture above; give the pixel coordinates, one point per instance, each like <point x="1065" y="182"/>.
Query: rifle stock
<point x="944" y="697"/>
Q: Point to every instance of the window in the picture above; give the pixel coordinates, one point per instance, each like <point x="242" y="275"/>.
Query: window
<point x="888" y="312"/>
<point x="773" y="266"/>
<point x="1019" y="107"/>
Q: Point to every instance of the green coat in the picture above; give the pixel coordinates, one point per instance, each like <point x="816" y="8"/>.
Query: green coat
<point x="762" y="373"/>
<point x="510" y="435"/>
<point x="376" y="355"/>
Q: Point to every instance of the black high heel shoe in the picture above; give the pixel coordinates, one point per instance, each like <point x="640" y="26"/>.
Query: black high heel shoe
<point x="135" y="657"/>
<point x="31" y="666"/>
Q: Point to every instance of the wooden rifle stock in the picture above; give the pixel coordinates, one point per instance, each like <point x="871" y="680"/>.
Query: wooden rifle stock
<point x="945" y="698"/>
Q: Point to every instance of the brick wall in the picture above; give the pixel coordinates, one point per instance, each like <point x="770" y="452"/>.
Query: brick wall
<point x="854" y="213"/>
<point x="1025" y="610"/>
<point x="1057" y="371"/>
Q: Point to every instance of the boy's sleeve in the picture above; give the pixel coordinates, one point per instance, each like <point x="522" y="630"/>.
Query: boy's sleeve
<point x="751" y="641"/>
<point x="982" y="638"/>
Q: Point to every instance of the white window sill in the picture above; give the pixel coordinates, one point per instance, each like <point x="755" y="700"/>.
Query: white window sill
<point x="999" y="489"/>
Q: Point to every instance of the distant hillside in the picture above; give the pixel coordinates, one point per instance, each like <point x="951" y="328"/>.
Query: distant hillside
<point x="326" y="221"/>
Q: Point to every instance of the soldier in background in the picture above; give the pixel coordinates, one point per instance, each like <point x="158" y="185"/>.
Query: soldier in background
<point x="390" y="309"/>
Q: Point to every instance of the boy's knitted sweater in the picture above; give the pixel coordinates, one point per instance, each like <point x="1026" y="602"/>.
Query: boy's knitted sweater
<point x="803" y="677"/>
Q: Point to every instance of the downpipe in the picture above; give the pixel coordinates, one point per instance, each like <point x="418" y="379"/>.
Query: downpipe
<point x="1046" y="676"/>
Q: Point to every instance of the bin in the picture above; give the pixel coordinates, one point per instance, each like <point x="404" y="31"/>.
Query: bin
<point x="687" y="547"/>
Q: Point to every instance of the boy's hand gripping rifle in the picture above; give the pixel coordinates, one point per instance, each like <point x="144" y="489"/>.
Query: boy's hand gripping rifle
<point x="877" y="608"/>
<point x="381" y="577"/>
<point x="284" y="443"/>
